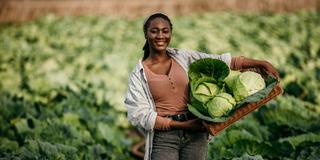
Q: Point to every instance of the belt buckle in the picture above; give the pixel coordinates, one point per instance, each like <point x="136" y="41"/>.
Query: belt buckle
<point x="182" y="117"/>
<point x="179" y="117"/>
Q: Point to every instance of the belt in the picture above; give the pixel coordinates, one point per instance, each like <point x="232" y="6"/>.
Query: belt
<point x="182" y="117"/>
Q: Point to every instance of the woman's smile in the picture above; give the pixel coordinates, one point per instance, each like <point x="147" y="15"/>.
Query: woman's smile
<point x="160" y="43"/>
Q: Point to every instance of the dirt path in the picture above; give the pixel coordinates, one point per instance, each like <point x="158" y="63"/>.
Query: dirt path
<point x="22" y="10"/>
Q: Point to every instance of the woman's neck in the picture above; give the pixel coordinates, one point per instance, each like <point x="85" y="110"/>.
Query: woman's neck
<point x="159" y="56"/>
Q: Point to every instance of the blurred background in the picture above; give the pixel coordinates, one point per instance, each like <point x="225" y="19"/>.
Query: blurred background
<point x="64" y="67"/>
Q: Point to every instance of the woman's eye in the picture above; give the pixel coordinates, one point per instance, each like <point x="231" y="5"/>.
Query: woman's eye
<point x="153" y="31"/>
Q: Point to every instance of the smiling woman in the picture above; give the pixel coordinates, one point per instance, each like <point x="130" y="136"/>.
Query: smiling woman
<point x="158" y="94"/>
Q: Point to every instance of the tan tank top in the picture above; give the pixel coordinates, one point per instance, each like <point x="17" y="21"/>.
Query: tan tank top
<point x="170" y="92"/>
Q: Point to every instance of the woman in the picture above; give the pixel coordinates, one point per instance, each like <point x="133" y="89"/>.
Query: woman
<point x="158" y="93"/>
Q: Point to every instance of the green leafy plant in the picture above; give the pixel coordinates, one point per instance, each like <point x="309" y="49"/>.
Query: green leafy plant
<point x="63" y="80"/>
<point x="215" y="93"/>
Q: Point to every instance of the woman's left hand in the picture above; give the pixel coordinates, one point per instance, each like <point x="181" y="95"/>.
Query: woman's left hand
<point x="270" y="69"/>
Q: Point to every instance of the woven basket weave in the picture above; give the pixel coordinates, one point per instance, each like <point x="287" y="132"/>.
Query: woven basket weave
<point x="216" y="128"/>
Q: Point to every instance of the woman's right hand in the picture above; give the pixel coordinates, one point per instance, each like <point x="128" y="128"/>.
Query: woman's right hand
<point x="195" y="125"/>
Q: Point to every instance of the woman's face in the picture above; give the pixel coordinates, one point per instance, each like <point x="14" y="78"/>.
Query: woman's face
<point x="158" y="34"/>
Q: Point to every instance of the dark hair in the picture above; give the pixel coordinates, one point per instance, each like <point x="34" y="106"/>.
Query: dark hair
<point x="145" y="28"/>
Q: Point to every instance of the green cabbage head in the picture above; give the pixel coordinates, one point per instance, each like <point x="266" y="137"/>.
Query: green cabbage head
<point x="206" y="90"/>
<point x="216" y="91"/>
<point x="246" y="84"/>
<point x="221" y="105"/>
<point x="233" y="75"/>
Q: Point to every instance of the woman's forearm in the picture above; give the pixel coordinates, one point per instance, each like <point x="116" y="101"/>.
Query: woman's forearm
<point x="243" y="62"/>
<point x="177" y="125"/>
<point x="238" y="63"/>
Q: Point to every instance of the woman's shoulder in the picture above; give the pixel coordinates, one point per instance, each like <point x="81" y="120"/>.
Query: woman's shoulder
<point x="185" y="52"/>
<point x="180" y="52"/>
<point x="137" y="68"/>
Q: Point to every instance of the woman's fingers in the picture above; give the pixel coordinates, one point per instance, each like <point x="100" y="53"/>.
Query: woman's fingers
<point x="270" y="69"/>
<point x="195" y="124"/>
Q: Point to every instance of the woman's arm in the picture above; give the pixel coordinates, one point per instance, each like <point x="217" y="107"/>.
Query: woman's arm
<point x="243" y="63"/>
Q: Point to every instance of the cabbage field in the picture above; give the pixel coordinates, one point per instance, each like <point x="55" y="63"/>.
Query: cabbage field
<point x="63" y="81"/>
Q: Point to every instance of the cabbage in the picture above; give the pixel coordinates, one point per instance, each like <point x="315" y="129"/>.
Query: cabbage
<point x="207" y="67"/>
<point x="206" y="80"/>
<point x="216" y="91"/>
<point x="246" y="84"/>
<point x="233" y="75"/>
<point x="206" y="90"/>
<point x="221" y="105"/>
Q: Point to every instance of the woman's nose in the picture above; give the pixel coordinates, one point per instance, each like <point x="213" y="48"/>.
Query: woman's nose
<point x="160" y="35"/>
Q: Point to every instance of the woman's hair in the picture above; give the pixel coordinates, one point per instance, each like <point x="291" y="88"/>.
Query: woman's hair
<point x="146" y="25"/>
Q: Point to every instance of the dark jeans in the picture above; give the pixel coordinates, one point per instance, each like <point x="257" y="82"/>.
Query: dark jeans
<point x="179" y="145"/>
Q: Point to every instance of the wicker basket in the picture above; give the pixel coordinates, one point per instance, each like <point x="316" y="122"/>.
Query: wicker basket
<point x="216" y="128"/>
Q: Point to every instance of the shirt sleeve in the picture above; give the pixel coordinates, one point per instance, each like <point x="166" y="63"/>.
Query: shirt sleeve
<point x="195" y="55"/>
<point x="140" y="112"/>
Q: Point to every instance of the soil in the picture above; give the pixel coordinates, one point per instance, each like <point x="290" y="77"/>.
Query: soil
<point x="24" y="10"/>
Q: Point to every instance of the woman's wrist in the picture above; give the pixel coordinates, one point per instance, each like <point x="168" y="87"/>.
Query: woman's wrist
<point x="236" y="63"/>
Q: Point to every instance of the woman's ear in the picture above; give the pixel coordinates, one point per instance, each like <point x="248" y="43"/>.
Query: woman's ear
<point x="145" y="35"/>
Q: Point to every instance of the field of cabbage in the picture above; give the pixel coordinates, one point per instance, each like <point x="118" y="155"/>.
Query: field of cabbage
<point x="63" y="81"/>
